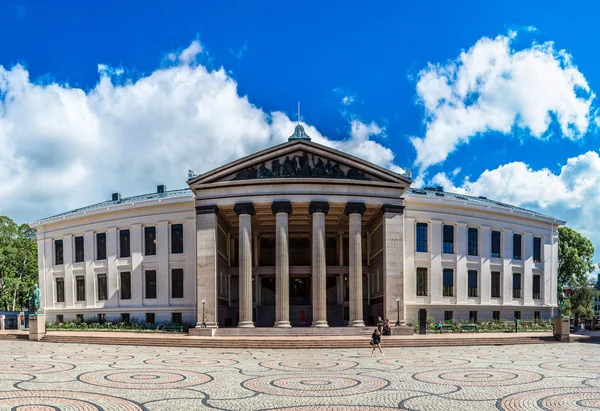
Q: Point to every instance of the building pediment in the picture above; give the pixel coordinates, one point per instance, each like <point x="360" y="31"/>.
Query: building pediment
<point x="299" y="159"/>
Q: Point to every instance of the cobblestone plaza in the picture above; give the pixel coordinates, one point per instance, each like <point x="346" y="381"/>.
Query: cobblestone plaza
<point x="46" y="376"/>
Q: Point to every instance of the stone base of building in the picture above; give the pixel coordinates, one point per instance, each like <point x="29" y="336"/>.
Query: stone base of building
<point x="562" y="328"/>
<point x="202" y="332"/>
<point x="402" y="330"/>
<point x="37" y="327"/>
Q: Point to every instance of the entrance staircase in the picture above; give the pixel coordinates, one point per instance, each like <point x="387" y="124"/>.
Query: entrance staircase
<point x="295" y="332"/>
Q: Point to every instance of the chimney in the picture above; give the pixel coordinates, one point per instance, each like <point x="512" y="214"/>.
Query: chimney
<point x="116" y="197"/>
<point x="161" y="189"/>
<point x="440" y="189"/>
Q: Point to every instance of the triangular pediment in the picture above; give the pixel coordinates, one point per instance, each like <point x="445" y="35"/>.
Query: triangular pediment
<point x="299" y="159"/>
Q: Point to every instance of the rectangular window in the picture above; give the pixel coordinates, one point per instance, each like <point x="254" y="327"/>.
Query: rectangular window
<point x="517" y="315"/>
<point x="79" y="256"/>
<point x="516" y="285"/>
<point x="101" y="318"/>
<point x="496" y="244"/>
<point x="150" y="240"/>
<point x="473" y="316"/>
<point x="125" y="286"/>
<point x="150" y="284"/>
<point x="421" y="237"/>
<point x="125" y="318"/>
<point x="150" y="318"/>
<point x="448" y="316"/>
<point x="79" y="318"/>
<point x="496" y="315"/>
<point x="495" y="284"/>
<point x="472" y="283"/>
<point x="537" y="316"/>
<point x="537" y="286"/>
<point x="124" y="244"/>
<point x="176" y="318"/>
<point x="516" y="246"/>
<point x="537" y="249"/>
<point x="102" y="287"/>
<point x="448" y="282"/>
<point x="473" y="241"/>
<point x="421" y="282"/>
<point x="60" y="290"/>
<point x="177" y="238"/>
<point x="60" y="318"/>
<point x="80" y="281"/>
<point x="177" y="283"/>
<point x="58" y="252"/>
<point x="448" y="245"/>
<point x="101" y="246"/>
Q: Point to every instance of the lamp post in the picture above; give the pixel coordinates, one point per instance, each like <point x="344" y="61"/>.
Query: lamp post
<point x="203" y="322"/>
<point x="398" y="311"/>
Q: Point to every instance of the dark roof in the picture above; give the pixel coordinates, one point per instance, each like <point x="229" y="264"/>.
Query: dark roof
<point x="184" y="192"/>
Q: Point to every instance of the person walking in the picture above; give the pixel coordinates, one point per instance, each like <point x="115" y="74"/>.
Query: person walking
<point x="376" y="342"/>
<point x="379" y="324"/>
<point x="387" y="330"/>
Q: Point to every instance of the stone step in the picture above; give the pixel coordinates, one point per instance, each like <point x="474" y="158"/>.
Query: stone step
<point x="293" y="332"/>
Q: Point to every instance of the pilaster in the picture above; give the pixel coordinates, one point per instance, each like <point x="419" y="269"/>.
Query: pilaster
<point x="507" y="258"/>
<point x="485" y="247"/>
<point x="206" y="266"/>
<point x="462" y="277"/>
<point x="111" y="261"/>
<point x="436" y="261"/>
<point x="393" y="263"/>
<point x="528" y="270"/>
<point x="90" y="276"/>
<point x="137" y="283"/>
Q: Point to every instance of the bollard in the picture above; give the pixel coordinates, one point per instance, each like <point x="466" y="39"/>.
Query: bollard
<point x="2" y="326"/>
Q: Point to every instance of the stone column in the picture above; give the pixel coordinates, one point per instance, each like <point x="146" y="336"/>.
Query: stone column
<point x="318" y="210"/>
<point x="354" y="211"/>
<point x="245" y="211"/>
<point x="393" y="264"/>
<point x="206" y="267"/>
<point x="282" y="210"/>
<point x="340" y="250"/>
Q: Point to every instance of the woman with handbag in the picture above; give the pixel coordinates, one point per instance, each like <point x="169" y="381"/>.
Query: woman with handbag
<point x="376" y="342"/>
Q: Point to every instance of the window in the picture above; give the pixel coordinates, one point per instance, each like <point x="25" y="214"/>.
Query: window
<point x="448" y="282"/>
<point x="537" y="316"/>
<point x="150" y="284"/>
<point x="60" y="290"/>
<point x="516" y="285"/>
<point x="448" y="316"/>
<point x="150" y="241"/>
<point x="177" y="238"/>
<point x="473" y="316"/>
<point x="60" y="318"/>
<point x="495" y="284"/>
<point x="101" y="246"/>
<point x="176" y="318"/>
<point x="421" y="282"/>
<point x="421" y="237"/>
<point x="124" y="244"/>
<point x="473" y="240"/>
<point x="472" y="283"/>
<point x="448" y="245"/>
<point x="58" y="252"/>
<point x="496" y="244"/>
<point x="102" y="287"/>
<point x="101" y="318"/>
<point x="80" y="281"/>
<point x="516" y="246"/>
<point x="125" y="286"/>
<point x="177" y="283"/>
<point x="537" y="249"/>
<point x="150" y="318"/>
<point x="517" y="315"/>
<point x="496" y="315"/>
<point x="79" y="318"/>
<point x="537" y="282"/>
<point x="79" y="256"/>
<point x="125" y="318"/>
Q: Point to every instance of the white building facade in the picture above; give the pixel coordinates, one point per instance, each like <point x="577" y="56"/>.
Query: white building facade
<point x="298" y="234"/>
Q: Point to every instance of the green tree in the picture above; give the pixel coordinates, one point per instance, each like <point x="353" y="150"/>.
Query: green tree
<point x="582" y="300"/>
<point x="575" y="254"/>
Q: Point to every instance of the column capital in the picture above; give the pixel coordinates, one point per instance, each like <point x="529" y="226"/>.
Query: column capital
<point x="392" y="208"/>
<point x="244" y="208"/>
<point x="318" y="207"/>
<point x="281" y="207"/>
<point x="355" y="208"/>
<point x="207" y="209"/>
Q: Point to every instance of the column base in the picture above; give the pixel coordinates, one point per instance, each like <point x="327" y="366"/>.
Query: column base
<point x="356" y="323"/>
<point x="246" y="324"/>
<point x="282" y="324"/>
<point x="320" y="324"/>
<point x="208" y="324"/>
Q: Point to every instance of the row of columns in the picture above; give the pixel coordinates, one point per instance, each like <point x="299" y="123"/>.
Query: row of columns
<point x="282" y="210"/>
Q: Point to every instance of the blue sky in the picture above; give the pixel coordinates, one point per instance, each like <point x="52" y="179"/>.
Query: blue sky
<point x="93" y="96"/>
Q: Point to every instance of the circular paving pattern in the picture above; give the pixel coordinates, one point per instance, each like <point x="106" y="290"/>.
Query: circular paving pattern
<point x="63" y="400"/>
<point x="309" y="365"/>
<point x="479" y="377"/>
<point x="334" y="408"/>
<point x="575" y="365"/>
<point x="517" y="357"/>
<point x="33" y="367"/>
<point x="144" y="379"/>
<point x="423" y="361"/>
<point x="552" y="399"/>
<point x="92" y="357"/>
<point x="190" y="361"/>
<point x="315" y="385"/>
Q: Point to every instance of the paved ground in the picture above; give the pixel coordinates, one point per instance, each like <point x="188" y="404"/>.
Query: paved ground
<point x="46" y="376"/>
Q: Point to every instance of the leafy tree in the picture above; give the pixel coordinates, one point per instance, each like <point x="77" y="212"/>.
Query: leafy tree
<point x="575" y="253"/>
<point x="582" y="300"/>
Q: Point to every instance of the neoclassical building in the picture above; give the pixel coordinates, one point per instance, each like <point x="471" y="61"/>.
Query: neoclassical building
<point x="297" y="235"/>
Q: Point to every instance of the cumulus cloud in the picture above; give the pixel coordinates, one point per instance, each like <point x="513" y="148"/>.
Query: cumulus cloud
<point x="347" y="100"/>
<point x="62" y="147"/>
<point x="493" y="88"/>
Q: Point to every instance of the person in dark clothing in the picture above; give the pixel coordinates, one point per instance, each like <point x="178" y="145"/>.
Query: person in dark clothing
<point x="380" y="324"/>
<point x="376" y="342"/>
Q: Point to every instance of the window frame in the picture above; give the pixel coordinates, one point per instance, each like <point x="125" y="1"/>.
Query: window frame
<point x="60" y="291"/>
<point x="57" y="260"/>
<point x="518" y="237"/>
<point x="150" y="245"/>
<point x="472" y="292"/>
<point x="473" y="244"/>
<point x="422" y="237"/>
<point x="498" y="234"/>
<point x="496" y="315"/>
<point x="122" y="288"/>
<point x="173" y="272"/>
<point x="77" y="288"/>
<point x="536" y="295"/>
<point x="150" y="315"/>
<point x="448" y="233"/>
<point x="448" y="318"/>
<point x="473" y="319"/>
<point x="497" y="274"/>
<point x="148" y="283"/>
<point x="128" y="242"/>
<point x="422" y="289"/>
<point x="102" y="288"/>
<point x="180" y="322"/>
<point x="537" y="254"/>
<point x="445" y="288"/>
<point x="517" y="292"/>
<point x="98" y="245"/>
<point x="79" y="240"/>
<point x="174" y="229"/>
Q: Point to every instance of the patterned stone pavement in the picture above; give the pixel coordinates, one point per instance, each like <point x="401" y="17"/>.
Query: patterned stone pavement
<point x="46" y="376"/>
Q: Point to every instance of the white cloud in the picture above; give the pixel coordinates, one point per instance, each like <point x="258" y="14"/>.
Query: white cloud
<point x="63" y="147"/>
<point x="492" y="87"/>
<point x="347" y="100"/>
<point x="188" y="54"/>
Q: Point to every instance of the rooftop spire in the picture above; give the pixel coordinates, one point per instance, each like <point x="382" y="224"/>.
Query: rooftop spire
<point x="299" y="133"/>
